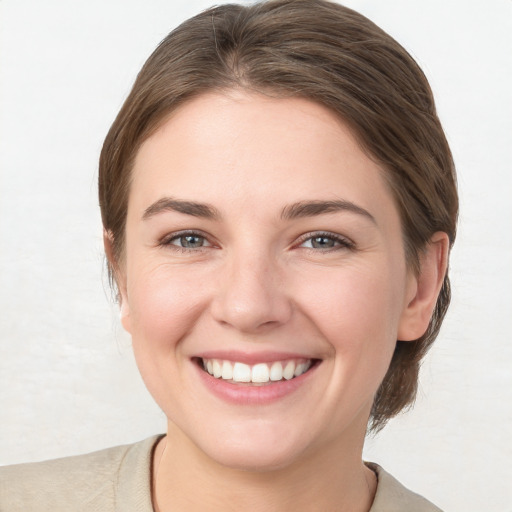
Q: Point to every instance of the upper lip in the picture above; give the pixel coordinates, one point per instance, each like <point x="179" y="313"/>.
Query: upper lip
<point x="251" y="357"/>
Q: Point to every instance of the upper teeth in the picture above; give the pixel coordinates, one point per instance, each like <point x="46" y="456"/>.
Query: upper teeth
<point x="258" y="373"/>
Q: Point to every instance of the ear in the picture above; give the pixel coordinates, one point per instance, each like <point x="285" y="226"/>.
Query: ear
<point x="119" y="278"/>
<point x="424" y="288"/>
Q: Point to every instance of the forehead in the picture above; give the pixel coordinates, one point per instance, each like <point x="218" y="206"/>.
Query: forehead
<point x="249" y="149"/>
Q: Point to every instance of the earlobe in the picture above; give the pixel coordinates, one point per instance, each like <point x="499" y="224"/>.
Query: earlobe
<point x="118" y="277"/>
<point x="108" y="245"/>
<point x="125" y="315"/>
<point x="425" y="288"/>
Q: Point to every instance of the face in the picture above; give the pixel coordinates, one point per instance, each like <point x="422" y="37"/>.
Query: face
<point x="264" y="281"/>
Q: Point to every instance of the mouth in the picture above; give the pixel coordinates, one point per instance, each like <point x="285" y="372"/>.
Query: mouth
<point x="259" y="374"/>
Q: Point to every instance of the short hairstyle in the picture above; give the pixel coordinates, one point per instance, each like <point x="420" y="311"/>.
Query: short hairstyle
<point x="329" y="54"/>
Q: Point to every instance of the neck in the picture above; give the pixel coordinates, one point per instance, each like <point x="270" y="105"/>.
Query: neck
<point x="334" y="478"/>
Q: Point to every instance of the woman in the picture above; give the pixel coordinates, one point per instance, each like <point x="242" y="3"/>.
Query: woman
<point x="278" y="201"/>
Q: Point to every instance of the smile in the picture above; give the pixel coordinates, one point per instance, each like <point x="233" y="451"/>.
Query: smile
<point x="261" y="373"/>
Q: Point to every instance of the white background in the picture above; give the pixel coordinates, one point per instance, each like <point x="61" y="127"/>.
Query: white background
<point x="68" y="382"/>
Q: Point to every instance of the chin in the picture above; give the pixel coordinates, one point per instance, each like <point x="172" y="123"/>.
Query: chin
<point x="252" y="448"/>
<point x="255" y="458"/>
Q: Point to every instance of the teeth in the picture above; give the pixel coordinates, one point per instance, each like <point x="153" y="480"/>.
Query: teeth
<point x="276" y="371"/>
<point x="289" y="370"/>
<point x="217" y="369"/>
<point x="241" y="372"/>
<point x="300" y="369"/>
<point x="227" y="370"/>
<point x="260" y="373"/>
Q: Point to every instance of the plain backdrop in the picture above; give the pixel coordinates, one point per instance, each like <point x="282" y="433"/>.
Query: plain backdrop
<point x="68" y="382"/>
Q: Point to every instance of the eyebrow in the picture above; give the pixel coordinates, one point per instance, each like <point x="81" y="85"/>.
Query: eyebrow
<point x="312" y="208"/>
<point x="166" y="204"/>
<point x="290" y="212"/>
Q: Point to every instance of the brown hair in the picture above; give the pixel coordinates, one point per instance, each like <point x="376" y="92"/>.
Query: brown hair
<point x="322" y="51"/>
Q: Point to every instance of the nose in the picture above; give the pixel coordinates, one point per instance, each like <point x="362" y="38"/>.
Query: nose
<point x="251" y="296"/>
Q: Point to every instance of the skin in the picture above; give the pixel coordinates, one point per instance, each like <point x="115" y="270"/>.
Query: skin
<point x="259" y="281"/>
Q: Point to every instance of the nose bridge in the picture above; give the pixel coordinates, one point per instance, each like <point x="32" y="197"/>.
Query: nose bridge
<point x="251" y="294"/>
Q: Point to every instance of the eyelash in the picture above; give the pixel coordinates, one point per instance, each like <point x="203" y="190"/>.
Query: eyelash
<point x="167" y="241"/>
<point x="341" y="241"/>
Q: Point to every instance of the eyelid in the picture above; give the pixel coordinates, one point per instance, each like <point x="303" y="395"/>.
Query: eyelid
<point x="166" y="240"/>
<point x="343" y="241"/>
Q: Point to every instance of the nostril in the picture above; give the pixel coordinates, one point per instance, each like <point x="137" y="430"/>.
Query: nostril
<point x="250" y="315"/>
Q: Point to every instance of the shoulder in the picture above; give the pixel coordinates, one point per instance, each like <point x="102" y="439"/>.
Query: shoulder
<point x="392" y="496"/>
<point x="84" y="482"/>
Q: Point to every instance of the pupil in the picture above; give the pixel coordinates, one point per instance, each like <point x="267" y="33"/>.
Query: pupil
<point x="322" y="242"/>
<point x="191" y="241"/>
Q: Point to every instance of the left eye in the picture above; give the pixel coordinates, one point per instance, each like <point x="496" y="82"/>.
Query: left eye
<point x="189" y="241"/>
<point x="325" y="241"/>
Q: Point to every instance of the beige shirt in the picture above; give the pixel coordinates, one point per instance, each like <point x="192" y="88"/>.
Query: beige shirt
<point x="119" y="480"/>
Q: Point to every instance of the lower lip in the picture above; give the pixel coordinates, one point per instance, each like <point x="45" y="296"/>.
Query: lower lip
<point x="245" y="394"/>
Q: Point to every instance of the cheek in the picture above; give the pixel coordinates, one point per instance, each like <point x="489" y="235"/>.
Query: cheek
<point x="164" y="303"/>
<point x="356" y="310"/>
